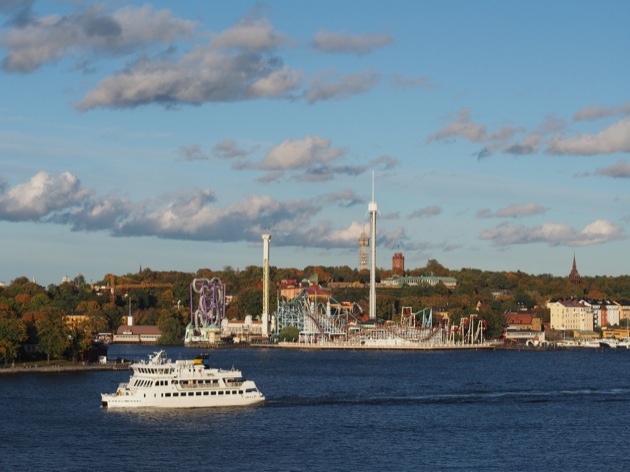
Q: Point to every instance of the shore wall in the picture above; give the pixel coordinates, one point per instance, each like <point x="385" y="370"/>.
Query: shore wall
<point x="51" y="369"/>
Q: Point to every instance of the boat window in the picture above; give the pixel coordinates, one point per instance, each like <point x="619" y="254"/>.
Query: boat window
<point x="198" y="393"/>
<point x="205" y="393"/>
<point x="167" y="394"/>
<point x="175" y="394"/>
<point x="213" y="393"/>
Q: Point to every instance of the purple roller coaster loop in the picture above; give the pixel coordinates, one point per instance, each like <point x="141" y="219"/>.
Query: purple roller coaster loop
<point x="211" y="302"/>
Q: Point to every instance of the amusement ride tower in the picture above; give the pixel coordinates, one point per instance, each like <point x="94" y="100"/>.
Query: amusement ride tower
<point x="372" y="209"/>
<point x="265" y="315"/>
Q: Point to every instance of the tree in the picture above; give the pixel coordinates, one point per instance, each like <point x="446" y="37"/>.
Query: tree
<point x="171" y="329"/>
<point x="12" y="334"/>
<point x="52" y="333"/>
<point x="289" y="334"/>
<point x="249" y="302"/>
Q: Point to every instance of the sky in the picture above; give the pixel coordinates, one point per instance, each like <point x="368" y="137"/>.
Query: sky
<point x="172" y="135"/>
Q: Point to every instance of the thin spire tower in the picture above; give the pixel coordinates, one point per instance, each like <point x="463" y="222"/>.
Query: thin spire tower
<point x="372" y="210"/>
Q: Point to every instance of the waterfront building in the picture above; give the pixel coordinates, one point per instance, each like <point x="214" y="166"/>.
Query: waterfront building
<point x="523" y="321"/>
<point x="624" y="309"/>
<point x="570" y="314"/>
<point x="137" y="334"/>
<point x="605" y="312"/>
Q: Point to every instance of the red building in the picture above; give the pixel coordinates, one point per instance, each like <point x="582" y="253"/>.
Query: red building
<point x="398" y="264"/>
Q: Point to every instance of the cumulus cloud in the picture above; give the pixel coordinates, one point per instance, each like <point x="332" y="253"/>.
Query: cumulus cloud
<point x="325" y="87"/>
<point x="329" y="41"/>
<point x="513" y="211"/>
<point x="51" y="38"/>
<point x="615" y="138"/>
<point x="192" y="214"/>
<point x="200" y="76"/>
<point x="41" y="196"/>
<point x="426" y="212"/>
<point x="619" y="170"/>
<point x="312" y="159"/>
<point x="464" y="127"/>
<point x="301" y="153"/>
<point x="254" y="34"/>
<point x="344" y="198"/>
<point x="555" y="234"/>
<point x="594" y="112"/>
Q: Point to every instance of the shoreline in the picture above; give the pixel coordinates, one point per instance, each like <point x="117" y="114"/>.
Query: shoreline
<point x="52" y="369"/>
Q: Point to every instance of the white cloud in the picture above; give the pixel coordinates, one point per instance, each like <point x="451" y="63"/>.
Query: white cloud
<point x="513" y="211"/>
<point x="252" y="34"/>
<point x="53" y="37"/>
<point x="329" y="41"/>
<point x="202" y="75"/>
<point x="464" y="127"/>
<point x="555" y="234"/>
<point x="620" y="169"/>
<point x="426" y="212"/>
<point x="305" y="153"/>
<point x="325" y="87"/>
<point x="228" y="149"/>
<point x="615" y="138"/>
<point x="40" y="196"/>
<point x="594" y="112"/>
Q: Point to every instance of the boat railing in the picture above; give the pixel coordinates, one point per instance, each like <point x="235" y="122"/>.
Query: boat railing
<point x="205" y="386"/>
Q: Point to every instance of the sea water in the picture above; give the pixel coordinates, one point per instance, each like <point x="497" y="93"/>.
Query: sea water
<point x="338" y="411"/>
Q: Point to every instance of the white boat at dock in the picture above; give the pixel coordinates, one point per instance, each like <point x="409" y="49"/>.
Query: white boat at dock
<point x="162" y="383"/>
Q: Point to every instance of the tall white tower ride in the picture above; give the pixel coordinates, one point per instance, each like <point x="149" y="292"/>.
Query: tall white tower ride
<point x="265" y="314"/>
<point x="372" y="209"/>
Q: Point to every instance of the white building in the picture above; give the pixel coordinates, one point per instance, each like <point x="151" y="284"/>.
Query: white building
<point x="570" y="314"/>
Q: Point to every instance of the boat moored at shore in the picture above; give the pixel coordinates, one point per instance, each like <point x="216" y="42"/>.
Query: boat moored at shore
<point x="162" y="383"/>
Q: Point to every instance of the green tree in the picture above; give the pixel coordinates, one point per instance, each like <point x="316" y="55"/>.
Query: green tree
<point x="12" y="335"/>
<point x="289" y="334"/>
<point x="54" y="336"/>
<point x="249" y="302"/>
<point x="171" y="329"/>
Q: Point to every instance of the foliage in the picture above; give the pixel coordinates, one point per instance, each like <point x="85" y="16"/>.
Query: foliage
<point x="485" y="293"/>
<point x="12" y="334"/>
<point x="171" y="328"/>
<point x="54" y="336"/>
<point x="289" y="334"/>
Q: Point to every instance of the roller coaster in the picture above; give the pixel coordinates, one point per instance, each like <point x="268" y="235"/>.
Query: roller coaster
<point x="205" y="320"/>
<point x="334" y="322"/>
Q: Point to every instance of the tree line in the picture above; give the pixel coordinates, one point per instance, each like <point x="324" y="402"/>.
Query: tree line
<point x="37" y="316"/>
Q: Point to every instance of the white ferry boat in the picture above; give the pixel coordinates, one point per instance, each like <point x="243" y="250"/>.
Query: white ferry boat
<point x="161" y="383"/>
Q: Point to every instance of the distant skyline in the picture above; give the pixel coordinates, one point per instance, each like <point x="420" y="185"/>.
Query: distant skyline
<point x="171" y="135"/>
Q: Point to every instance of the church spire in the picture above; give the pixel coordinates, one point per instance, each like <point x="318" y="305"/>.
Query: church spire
<point x="574" y="276"/>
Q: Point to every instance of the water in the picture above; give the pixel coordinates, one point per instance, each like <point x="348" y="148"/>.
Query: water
<point x="338" y="411"/>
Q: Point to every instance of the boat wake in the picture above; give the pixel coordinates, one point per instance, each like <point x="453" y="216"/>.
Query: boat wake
<point x="519" y="396"/>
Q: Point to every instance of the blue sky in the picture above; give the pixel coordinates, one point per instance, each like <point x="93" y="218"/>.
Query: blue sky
<point x="169" y="135"/>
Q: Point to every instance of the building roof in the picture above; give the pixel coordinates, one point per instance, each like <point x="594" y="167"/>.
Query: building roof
<point x="518" y="318"/>
<point x="138" y="329"/>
